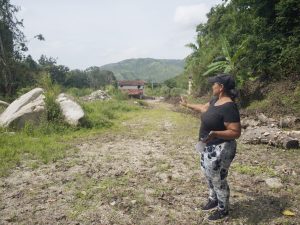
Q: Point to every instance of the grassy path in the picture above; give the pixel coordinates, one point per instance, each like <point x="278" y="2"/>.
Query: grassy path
<point x="147" y="172"/>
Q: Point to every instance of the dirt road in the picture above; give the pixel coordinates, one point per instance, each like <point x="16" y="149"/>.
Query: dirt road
<point x="147" y="172"/>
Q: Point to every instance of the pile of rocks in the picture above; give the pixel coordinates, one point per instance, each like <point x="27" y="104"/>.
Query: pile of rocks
<point x="264" y="130"/>
<point x="97" y="95"/>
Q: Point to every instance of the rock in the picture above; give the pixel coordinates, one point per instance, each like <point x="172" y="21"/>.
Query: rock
<point x="288" y="121"/>
<point x="133" y="202"/>
<point x="97" y="95"/>
<point x="27" y="108"/>
<point x="113" y="203"/>
<point x="274" y="182"/>
<point x="71" y="110"/>
<point x="247" y="122"/>
<point x="268" y="135"/>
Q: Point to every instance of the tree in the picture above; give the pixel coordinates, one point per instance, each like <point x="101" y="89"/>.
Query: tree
<point x="12" y="42"/>
<point x="228" y="62"/>
<point x="57" y="72"/>
<point x="262" y="41"/>
<point x="99" y="78"/>
<point x="77" y="78"/>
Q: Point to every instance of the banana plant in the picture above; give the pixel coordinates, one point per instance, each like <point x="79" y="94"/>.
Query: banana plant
<point x="229" y="64"/>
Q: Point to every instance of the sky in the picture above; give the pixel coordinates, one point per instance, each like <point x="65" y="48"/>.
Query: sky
<point x="80" y="34"/>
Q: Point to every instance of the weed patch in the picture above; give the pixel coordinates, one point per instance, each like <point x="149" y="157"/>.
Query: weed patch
<point x="252" y="170"/>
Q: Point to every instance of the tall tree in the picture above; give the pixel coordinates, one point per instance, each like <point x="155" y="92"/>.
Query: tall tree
<point x="12" y="43"/>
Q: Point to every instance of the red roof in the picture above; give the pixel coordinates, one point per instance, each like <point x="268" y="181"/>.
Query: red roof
<point x="131" y="82"/>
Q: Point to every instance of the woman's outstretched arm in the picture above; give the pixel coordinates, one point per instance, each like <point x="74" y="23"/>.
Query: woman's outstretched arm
<point x="197" y="107"/>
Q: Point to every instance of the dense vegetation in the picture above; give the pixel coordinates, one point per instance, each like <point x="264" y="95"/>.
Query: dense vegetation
<point x="252" y="39"/>
<point x="151" y="70"/>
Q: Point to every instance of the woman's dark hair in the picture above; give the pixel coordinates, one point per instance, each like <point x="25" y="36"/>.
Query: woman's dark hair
<point x="232" y="93"/>
<point x="228" y="83"/>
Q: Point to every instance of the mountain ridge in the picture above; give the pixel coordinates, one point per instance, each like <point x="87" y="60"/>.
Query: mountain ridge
<point x="149" y="69"/>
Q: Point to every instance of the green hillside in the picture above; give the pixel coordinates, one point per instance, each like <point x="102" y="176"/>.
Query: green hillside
<point x="148" y="69"/>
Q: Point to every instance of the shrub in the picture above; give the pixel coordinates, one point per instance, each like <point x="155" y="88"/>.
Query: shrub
<point x="117" y="93"/>
<point x="101" y="114"/>
<point x="177" y="92"/>
<point x="79" y="92"/>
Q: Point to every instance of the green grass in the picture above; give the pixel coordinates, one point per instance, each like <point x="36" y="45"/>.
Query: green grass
<point x="252" y="170"/>
<point x="49" y="141"/>
<point x="13" y="148"/>
<point x="2" y="108"/>
<point x="79" y="92"/>
<point x="261" y="105"/>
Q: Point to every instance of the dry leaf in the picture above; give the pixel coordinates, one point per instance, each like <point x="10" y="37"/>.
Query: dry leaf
<point x="288" y="213"/>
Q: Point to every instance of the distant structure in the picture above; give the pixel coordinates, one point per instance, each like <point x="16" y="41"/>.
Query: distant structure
<point x="134" y="88"/>
<point x="190" y="85"/>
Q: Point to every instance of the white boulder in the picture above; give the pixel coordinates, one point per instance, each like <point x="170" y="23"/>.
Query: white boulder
<point x="71" y="110"/>
<point x="27" y="108"/>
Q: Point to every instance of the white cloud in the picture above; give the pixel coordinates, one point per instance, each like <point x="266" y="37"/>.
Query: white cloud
<point x="191" y="15"/>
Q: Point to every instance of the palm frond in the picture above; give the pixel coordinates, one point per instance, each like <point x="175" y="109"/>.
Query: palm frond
<point x="213" y="69"/>
<point x="241" y="49"/>
<point x="192" y="46"/>
<point x="225" y="48"/>
<point x="217" y="63"/>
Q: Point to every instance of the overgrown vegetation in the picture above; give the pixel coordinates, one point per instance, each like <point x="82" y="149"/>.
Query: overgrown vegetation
<point x="169" y="88"/>
<point x="250" y="39"/>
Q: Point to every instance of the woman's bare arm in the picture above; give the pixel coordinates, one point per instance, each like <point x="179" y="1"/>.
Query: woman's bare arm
<point x="233" y="131"/>
<point x="197" y="107"/>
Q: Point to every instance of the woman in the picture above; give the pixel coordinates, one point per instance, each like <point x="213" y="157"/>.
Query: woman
<point x="220" y="126"/>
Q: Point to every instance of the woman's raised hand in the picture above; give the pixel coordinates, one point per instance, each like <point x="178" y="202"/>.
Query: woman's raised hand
<point x="183" y="101"/>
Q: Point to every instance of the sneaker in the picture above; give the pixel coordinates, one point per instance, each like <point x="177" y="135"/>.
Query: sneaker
<point x="210" y="205"/>
<point x="217" y="215"/>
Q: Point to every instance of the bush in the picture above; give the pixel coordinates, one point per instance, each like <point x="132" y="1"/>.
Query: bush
<point x="177" y="92"/>
<point x="101" y="114"/>
<point x="79" y="92"/>
<point x="117" y="93"/>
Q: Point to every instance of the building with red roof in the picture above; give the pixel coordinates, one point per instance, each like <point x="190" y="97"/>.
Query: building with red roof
<point x="134" y="88"/>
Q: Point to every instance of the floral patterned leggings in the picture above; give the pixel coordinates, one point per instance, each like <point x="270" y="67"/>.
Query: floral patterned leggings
<point x="215" y="162"/>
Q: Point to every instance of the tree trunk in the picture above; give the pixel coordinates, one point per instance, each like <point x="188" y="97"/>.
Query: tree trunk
<point x="271" y="136"/>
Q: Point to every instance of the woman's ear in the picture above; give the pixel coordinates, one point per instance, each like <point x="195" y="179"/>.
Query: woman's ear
<point x="221" y="87"/>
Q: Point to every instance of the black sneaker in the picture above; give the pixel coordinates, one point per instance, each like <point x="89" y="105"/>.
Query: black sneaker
<point x="210" y="205"/>
<point x="217" y="215"/>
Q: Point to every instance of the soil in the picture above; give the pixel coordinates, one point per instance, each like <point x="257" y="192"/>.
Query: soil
<point x="148" y="173"/>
